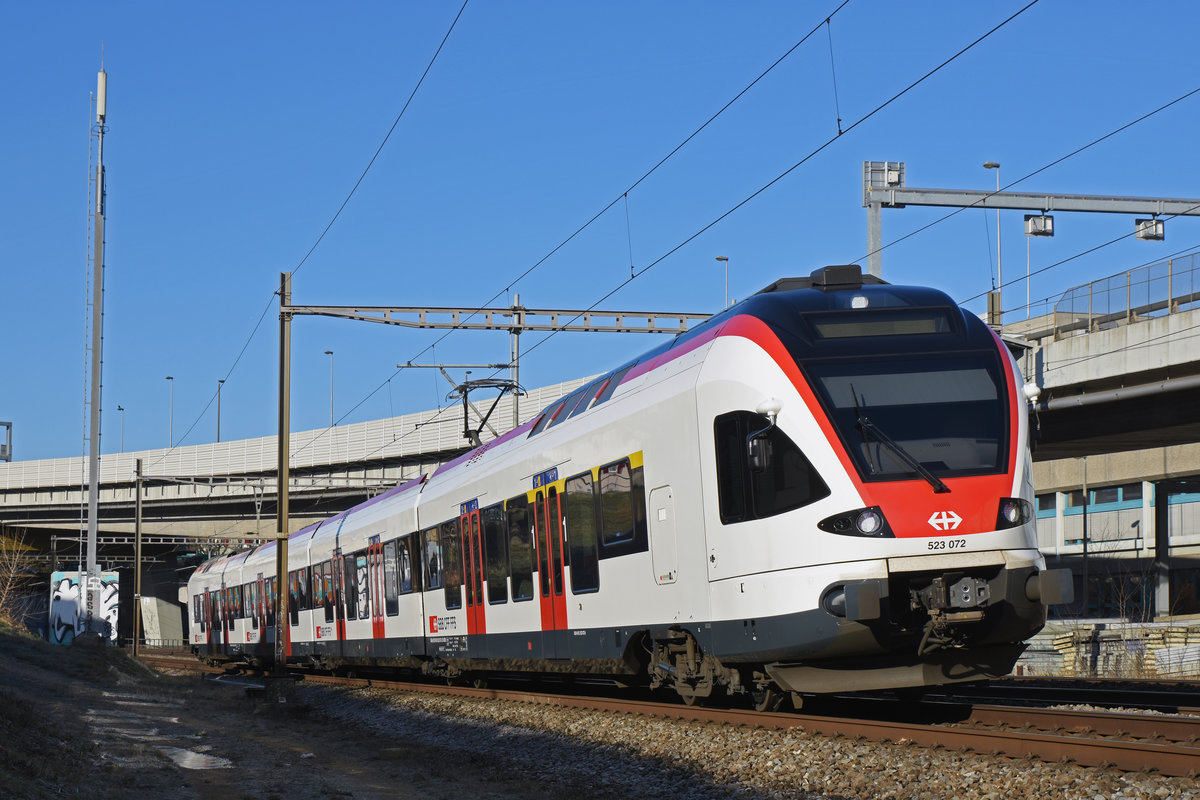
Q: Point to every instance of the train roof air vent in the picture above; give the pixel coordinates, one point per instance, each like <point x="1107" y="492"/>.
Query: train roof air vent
<point x="838" y="276"/>
<point x="831" y="278"/>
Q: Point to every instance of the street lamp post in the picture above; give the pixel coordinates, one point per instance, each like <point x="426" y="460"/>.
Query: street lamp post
<point x="171" y="428"/>
<point x="330" y="354"/>
<point x="999" y="275"/>
<point x="725" y="260"/>
<point x="220" y="382"/>
<point x="121" y="409"/>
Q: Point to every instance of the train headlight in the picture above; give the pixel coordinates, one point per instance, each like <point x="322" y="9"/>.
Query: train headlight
<point x="1014" y="512"/>
<point x="869" y="522"/>
<point x="859" y="522"/>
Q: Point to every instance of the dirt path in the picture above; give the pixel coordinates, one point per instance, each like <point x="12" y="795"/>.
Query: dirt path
<point x="81" y="722"/>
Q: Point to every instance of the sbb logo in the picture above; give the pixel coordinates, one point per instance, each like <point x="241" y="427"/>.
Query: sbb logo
<point x="945" y="520"/>
<point x="433" y="626"/>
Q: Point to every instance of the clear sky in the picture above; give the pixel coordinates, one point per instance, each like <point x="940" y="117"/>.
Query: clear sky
<point x="236" y="130"/>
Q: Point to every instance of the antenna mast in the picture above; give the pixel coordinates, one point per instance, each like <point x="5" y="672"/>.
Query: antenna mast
<point x="91" y="625"/>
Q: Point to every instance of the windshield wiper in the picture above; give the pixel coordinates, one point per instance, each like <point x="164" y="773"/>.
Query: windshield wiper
<point x="866" y="428"/>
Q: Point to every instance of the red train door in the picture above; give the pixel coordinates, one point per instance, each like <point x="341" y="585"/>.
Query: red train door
<point x="472" y="555"/>
<point x="339" y="597"/>
<point x="548" y="519"/>
<point x="375" y="579"/>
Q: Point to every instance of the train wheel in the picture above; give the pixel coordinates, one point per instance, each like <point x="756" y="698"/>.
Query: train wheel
<point x="479" y="682"/>
<point x="768" y="698"/>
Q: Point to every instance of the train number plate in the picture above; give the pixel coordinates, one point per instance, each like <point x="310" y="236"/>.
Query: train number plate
<point x="947" y="544"/>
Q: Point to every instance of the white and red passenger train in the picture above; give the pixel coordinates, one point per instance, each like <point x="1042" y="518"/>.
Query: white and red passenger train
<point x="826" y="487"/>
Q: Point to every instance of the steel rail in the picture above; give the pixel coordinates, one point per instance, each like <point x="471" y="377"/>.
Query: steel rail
<point x="1101" y="723"/>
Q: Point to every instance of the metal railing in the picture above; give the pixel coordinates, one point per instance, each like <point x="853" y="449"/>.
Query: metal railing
<point x="1145" y="292"/>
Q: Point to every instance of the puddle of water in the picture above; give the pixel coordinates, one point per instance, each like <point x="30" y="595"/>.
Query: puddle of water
<point x="190" y="759"/>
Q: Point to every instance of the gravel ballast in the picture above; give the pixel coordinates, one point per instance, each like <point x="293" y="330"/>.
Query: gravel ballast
<point x="611" y="755"/>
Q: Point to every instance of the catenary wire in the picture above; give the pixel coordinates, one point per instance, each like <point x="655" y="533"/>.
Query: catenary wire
<point x="617" y="199"/>
<point x="329" y="226"/>
<point x="795" y="166"/>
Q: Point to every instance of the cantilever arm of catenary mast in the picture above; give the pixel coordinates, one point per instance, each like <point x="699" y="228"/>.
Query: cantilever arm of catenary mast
<point x="515" y="318"/>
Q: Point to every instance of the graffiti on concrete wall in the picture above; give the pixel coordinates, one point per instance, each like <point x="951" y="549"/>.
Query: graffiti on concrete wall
<point x="68" y="606"/>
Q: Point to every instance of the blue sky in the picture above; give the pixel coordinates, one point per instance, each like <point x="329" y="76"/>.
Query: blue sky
<point x="235" y="131"/>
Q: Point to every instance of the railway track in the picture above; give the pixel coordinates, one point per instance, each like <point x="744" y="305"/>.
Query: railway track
<point x="1169" y="697"/>
<point x="1131" y="742"/>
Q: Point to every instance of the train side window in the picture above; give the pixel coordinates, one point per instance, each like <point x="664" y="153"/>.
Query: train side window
<point x="272" y="600"/>
<point x="451" y="564"/>
<point x="305" y="597"/>
<point x="349" y="586"/>
<point x="327" y="586"/>
<point x="568" y="408"/>
<point x="547" y="417"/>
<point x="363" y="580"/>
<point x="581" y="533"/>
<point x="391" y="600"/>
<point x="195" y="608"/>
<point x="589" y="394"/>
<point x="622" y="510"/>
<point x="410" y="580"/>
<point x="785" y="482"/>
<point x="519" y="552"/>
<point x="294" y="597"/>
<point x="495" y="546"/>
<point x="252" y="592"/>
<point x="431" y="559"/>
<point x="613" y="381"/>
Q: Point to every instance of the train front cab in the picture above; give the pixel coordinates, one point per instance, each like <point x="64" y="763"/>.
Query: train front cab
<point x="873" y="492"/>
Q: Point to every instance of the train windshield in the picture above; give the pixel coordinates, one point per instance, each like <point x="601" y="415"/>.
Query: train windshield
<point x="903" y="417"/>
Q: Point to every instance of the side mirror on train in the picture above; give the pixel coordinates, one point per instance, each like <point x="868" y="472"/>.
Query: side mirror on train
<point x="758" y="446"/>
<point x="758" y="452"/>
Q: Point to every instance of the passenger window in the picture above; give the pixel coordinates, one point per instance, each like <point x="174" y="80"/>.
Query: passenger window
<point x="451" y="564"/>
<point x="327" y="586"/>
<point x="409" y="579"/>
<point x="294" y="597"/>
<point x="349" y="587"/>
<point x="495" y="545"/>
<point x="431" y="559"/>
<point x="390" y="579"/>
<point x="253" y="594"/>
<point x="519" y="551"/>
<point x="305" y="598"/>
<point x="622" y="510"/>
<point x="364" y="585"/>
<point x="787" y="481"/>
<point x="581" y="533"/>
